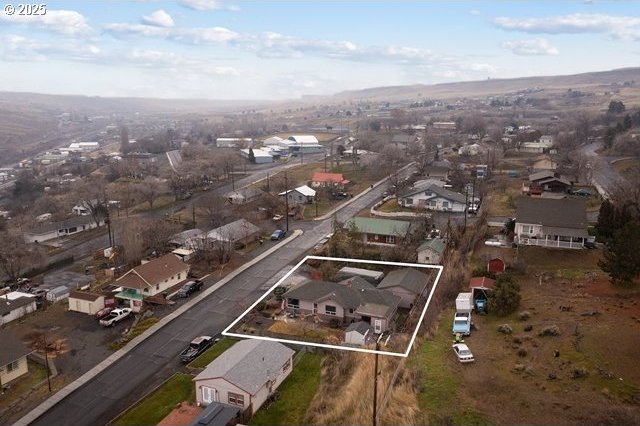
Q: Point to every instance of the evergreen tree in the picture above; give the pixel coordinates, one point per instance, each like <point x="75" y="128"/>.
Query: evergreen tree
<point x="622" y="254"/>
<point x="252" y="156"/>
<point x="606" y="220"/>
<point x="505" y="297"/>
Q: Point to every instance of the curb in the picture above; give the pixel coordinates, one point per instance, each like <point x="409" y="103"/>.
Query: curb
<point x="71" y="387"/>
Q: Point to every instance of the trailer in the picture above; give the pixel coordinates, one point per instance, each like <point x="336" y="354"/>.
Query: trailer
<point x="462" y="317"/>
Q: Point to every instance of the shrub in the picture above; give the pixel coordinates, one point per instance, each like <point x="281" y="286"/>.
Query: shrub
<point x="552" y="330"/>
<point x="506" y="296"/>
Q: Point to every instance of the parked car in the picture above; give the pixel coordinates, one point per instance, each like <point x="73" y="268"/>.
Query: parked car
<point x="103" y="313"/>
<point x="589" y="244"/>
<point x="189" y="288"/>
<point x="582" y="193"/>
<point x="278" y="234"/>
<point x="195" y="348"/>
<point x="115" y="316"/>
<point x="462" y="352"/>
<point x="277" y="217"/>
<point x="462" y="323"/>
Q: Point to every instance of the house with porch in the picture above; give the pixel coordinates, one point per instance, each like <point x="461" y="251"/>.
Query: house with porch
<point x="151" y="278"/>
<point x="547" y="222"/>
<point x="344" y="303"/>
<point x="13" y="358"/>
<point x="300" y="195"/>
<point x="433" y="197"/>
<point x="378" y="231"/>
<point x="245" y="375"/>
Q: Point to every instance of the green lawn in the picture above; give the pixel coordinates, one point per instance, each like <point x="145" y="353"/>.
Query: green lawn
<point x="438" y="399"/>
<point x="140" y="328"/>
<point x="21" y="386"/>
<point x="212" y="353"/>
<point x="296" y="393"/>
<point x="158" y="404"/>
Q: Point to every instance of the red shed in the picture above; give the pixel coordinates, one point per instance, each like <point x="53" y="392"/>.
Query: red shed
<point x="495" y="265"/>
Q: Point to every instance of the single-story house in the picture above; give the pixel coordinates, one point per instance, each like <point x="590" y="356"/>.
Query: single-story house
<point x="437" y="172"/>
<point x="260" y="156"/>
<point x="357" y="333"/>
<point x="240" y="231"/>
<point x="546" y="180"/>
<point x="243" y="195"/>
<point x="58" y="293"/>
<point x="245" y="375"/>
<point x="406" y="283"/>
<point x="233" y="142"/>
<point x="49" y="231"/>
<point x="542" y="145"/>
<point x="151" y="278"/>
<point x="430" y="252"/>
<point x="379" y="231"/>
<point x="547" y="222"/>
<point x="15" y="305"/>
<point x="496" y="265"/>
<point x="83" y="208"/>
<point x="328" y="179"/>
<point x="300" y="195"/>
<point x="184" y="254"/>
<point x="435" y="198"/>
<point x="188" y="239"/>
<point x="13" y="358"/>
<point x="85" y="301"/>
<point x="342" y="302"/>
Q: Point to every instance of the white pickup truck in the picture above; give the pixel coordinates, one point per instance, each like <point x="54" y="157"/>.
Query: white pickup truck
<point x="115" y="316"/>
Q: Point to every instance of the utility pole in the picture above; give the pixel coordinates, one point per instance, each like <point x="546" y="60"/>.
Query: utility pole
<point x="466" y="204"/>
<point x="268" y="187"/>
<point x="325" y="161"/>
<point x="193" y="214"/>
<point x="233" y="182"/>
<point x="286" y="200"/>
<point x="108" y="219"/>
<point x="46" y="360"/>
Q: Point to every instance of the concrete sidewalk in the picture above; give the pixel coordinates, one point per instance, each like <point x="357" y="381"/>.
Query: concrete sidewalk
<point x="71" y="387"/>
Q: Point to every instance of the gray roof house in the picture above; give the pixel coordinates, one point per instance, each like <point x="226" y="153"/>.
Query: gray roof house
<point x="406" y="283"/>
<point x="218" y="414"/>
<point x="186" y="239"/>
<point x="13" y="357"/>
<point x="345" y="303"/>
<point x="243" y="195"/>
<point x="49" y="231"/>
<point x="433" y="197"/>
<point x="560" y="223"/>
<point x="240" y="231"/>
<point x="14" y="308"/>
<point x="245" y="375"/>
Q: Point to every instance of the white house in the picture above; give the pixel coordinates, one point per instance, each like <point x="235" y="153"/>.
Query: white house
<point x="543" y="144"/>
<point x="15" y="305"/>
<point x="50" y="231"/>
<point x="13" y="358"/>
<point x="151" y="278"/>
<point x="85" y="302"/>
<point x="435" y="198"/>
<point x="243" y="195"/>
<point x="300" y="195"/>
<point x="261" y="156"/>
<point x="245" y="375"/>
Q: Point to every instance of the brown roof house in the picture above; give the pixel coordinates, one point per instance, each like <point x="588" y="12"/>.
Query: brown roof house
<point x="151" y="278"/>
<point x="85" y="302"/>
<point x="328" y="179"/>
<point x="560" y="223"/>
<point x="406" y="283"/>
<point x="13" y="358"/>
<point x="245" y="375"/>
<point x="345" y="302"/>
<point x="546" y="181"/>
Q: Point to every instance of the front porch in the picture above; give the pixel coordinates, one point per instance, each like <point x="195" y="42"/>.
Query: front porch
<point x="553" y="241"/>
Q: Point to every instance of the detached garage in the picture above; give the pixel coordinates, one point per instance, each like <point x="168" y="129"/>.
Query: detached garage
<point x="85" y="302"/>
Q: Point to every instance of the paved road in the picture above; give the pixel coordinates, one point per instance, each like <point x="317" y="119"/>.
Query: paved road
<point x="155" y="359"/>
<point x="603" y="174"/>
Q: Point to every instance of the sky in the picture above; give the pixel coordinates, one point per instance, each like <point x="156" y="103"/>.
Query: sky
<point x="226" y="49"/>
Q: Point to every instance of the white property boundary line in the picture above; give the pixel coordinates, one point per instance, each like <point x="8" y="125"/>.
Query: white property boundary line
<point x="405" y="354"/>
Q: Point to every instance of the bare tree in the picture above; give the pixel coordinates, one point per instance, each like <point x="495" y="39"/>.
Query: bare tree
<point x="129" y="236"/>
<point x="16" y="256"/>
<point x="157" y="234"/>
<point x="92" y="196"/>
<point x="150" y="189"/>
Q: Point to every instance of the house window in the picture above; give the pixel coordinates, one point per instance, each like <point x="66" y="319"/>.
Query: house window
<point x="527" y="229"/>
<point x="293" y="303"/>
<point x="171" y="277"/>
<point x="408" y="200"/>
<point x="286" y="365"/>
<point x="390" y="239"/>
<point x="13" y="366"/>
<point x="146" y="290"/>
<point x="445" y="204"/>
<point x="433" y="203"/>
<point x="158" y="286"/>
<point x="179" y="275"/>
<point x="350" y="310"/>
<point x="236" y="399"/>
<point x="330" y="310"/>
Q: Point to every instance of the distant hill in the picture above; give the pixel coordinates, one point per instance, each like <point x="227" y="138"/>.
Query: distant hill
<point x="493" y="86"/>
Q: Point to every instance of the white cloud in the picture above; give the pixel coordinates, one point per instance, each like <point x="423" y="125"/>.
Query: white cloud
<point x="626" y="27"/>
<point x="18" y="48"/>
<point x="533" y="47"/>
<point x="159" y="18"/>
<point x="474" y="12"/>
<point x="66" y="22"/>
<point x="184" y="35"/>
<point x="202" y="4"/>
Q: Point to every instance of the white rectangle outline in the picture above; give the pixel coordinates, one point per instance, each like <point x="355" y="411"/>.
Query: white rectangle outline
<point x="226" y="331"/>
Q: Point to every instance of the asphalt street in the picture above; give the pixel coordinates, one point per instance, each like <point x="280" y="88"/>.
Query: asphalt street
<point x="602" y="173"/>
<point x="154" y="360"/>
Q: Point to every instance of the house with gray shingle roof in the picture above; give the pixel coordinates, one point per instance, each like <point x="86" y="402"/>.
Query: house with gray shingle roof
<point x="344" y="302"/>
<point x="405" y="283"/>
<point x="358" y="333"/>
<point x="433" y="197"/>
<point x="546" y="222"/>
<point x="13" y="357"/>
<point x="245" y="375"/>
<point x="430" y="252"/>
<point x="379" y="231"/>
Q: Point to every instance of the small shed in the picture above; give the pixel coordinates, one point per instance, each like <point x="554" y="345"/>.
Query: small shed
<point x="431" y="251"/>
<point x="496" y="265"/>
<point x="57" y="293"/>
<point x="85" y="302"/>
<point x="357" y="333"/>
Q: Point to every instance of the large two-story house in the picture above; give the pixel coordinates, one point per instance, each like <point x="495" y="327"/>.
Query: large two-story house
<point x="549" y="222"/>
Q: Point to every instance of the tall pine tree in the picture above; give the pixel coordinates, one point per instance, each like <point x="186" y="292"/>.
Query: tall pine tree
<point x="621" y="257"/>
